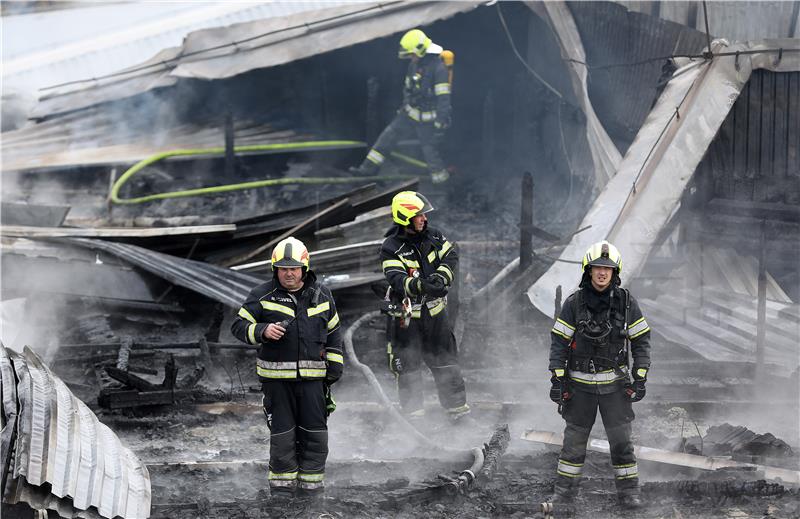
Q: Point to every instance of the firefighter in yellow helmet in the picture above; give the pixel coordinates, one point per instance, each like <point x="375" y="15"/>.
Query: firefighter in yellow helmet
<point x="420" y="265"/>
<point x="294" y="320"/>
<point x="425" y="113"/>
<point x="598" y="326"/>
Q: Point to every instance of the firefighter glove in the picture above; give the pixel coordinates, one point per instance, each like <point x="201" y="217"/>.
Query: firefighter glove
<point x="333" y="372"/>
<point x="559" y="391"/>
<point x="435" y="285"/>
<point x="637" y="390"/>
<point x="330" y="403"/>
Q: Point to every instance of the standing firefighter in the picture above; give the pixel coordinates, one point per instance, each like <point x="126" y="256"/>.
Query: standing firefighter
<point x="420" y="264"/>
<point x="425" y="113"/>
<point x="293" y="318"/>
<point x="599" y="326"/>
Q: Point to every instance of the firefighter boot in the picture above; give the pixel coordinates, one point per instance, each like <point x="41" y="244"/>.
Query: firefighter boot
<point x="565" y="490"/>
<point x="628" y="493"/>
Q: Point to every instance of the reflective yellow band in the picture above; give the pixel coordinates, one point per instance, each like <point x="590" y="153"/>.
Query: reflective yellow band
<point x="604" y="377"/>
<point x="460" y="409"/>
<point x="445" y="249"/>
<point x="375" y="157"/>
<point x="311" y="477"/>
<point x="268" y="369"/>
<point x="312" y="364"/>
<point x="418" y="116"/>
<point x="563" y="329"/>
<point x="559" y="372"/>
<point x="312" y="373"/>
<point x="251" y="333"/>
<point x="269" y="305"/>
<point x="276" y="373"/>
<point x="441" y="88"/>
<point x="638" y="328"/>
<point x="334" y="322"/>
<point x="444" y="269"/>
<point x="436" y="306"/>
<point x="244" y="314"/>
<point x="406" y="284"/>
<point x="324" y="307"/>
<point x="283" y="475"/>
<point x="410" y="263"/>
<point x="334" y="357"/>
<point x="641" y="372"/>
<point x="431" y="256"/>
<point x="392" y="263"/>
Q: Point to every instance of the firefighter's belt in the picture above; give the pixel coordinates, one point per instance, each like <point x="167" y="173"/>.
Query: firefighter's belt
<point x="603" y="377"/>
<point x="419" y="116"/>
<point x="435" y="307"/>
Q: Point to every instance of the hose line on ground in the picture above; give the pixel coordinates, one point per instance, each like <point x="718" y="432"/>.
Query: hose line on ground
<point x="285" y="147"/>
<point x="376" y="385"/>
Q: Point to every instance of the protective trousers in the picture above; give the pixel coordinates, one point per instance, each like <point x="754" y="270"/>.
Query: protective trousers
<point x="403" y="128"/>
<point x="430" y="339"/>
<point x="298" y="435"/>
<point x="580" y="412"/>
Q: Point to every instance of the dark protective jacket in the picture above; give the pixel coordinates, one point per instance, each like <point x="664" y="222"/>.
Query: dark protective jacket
<point x="427" y="252"/>
<point x="588" y="339"/>
<point x="311" y="348"/>
<point x="426" y="91"/>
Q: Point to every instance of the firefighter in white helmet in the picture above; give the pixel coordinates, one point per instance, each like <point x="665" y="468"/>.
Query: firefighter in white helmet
<point x="294" y="320"/>
<point x="425" y="113"/>
<point x="597" y="327"/>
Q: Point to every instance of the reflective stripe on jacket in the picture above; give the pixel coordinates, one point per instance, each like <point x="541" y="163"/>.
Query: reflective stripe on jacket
<point x="311" y="348"/>
<point x="402" y="256"/>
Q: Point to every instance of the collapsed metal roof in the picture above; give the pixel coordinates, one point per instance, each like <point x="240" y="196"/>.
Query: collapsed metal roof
<point x="94" y="39"/>
<point x="51" y="437"/>
<point x="735" y="21"/>
<point x="646" y="190"/>
<point x="227" y="51"/>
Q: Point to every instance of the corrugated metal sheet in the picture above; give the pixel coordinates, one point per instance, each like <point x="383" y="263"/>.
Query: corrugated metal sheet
<point x="720" y="327"/>
<point x="646" y="190"/>
<point x="94" y="40"/>
<point x="735" y="21"/>
<point x="218" y="283"/>
<point x="756" y="155"/>
<point x="228" y="51"/>
<point x="624" y="95"/>
<point x="225" y="285"/>
<point x="60" y="442"/>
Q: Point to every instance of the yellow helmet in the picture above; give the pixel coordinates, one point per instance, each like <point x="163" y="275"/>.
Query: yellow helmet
<point x="408" y="204"/>
<point x="415" y="43"/>
<point x="603" y="254"/>
<point x="290" y="253"/>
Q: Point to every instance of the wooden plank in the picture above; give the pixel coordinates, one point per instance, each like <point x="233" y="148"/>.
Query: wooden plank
<point x="672" y="458"/>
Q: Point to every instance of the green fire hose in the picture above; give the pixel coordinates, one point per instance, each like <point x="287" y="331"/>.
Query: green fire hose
<point x="286" y="147"/>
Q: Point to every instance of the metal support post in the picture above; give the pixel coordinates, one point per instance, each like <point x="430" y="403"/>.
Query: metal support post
<point x="526" y="223"/>
<point x="762" y="302"/>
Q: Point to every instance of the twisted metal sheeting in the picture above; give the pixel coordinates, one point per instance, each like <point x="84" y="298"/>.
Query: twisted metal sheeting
<point x="60" y="441"/>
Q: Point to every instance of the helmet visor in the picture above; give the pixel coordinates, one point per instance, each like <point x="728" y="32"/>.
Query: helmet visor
<point x="427" y="206"/>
